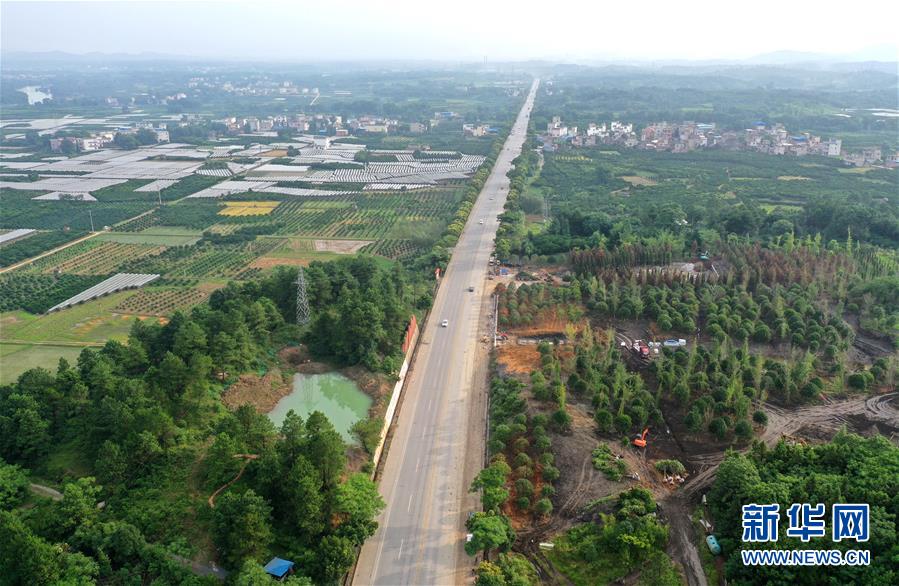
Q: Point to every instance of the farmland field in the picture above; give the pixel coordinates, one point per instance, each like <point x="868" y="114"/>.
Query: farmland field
<point x="91" y="322"/>
<point x="293" y="251"/>
<point x="163" y="301"/>
<point x="203" y="261"/>
<point x="249" y="208"/>
<point x="159" y="235"/>
<point x="93" y="257"/>
<point x="17" y="358"/>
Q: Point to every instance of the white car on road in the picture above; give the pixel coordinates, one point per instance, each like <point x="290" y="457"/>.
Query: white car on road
<point x="444" y="323"/>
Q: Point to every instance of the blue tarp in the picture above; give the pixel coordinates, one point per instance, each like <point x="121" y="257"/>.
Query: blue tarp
<point x="278" y="567"/>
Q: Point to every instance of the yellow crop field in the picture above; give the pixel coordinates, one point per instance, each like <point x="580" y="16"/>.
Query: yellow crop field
<point x="248" y="208"/>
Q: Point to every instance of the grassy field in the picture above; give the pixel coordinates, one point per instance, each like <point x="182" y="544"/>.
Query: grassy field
<point x="28" y="341"/>
<point x="159" y="235"/>
<point x="93" y="322"/>
<point x="17" y="358"/>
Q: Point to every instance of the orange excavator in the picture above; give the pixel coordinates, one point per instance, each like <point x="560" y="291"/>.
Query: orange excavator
<point x="640" y="440"/>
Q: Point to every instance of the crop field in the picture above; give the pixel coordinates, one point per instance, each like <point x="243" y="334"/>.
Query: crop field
<point x="196" y="245"/>
<point x="38" y="293"/>
<point x="93" y="257"/>
<point x="292" y="252"/>
<point x="366" y="217"/>
<point x="249" y="208"/>
<point x="19" y="211"/>
<point x="158" y="235"/>
<point x="204" y="261"/>
<point x="789" y="182"/>
<point x="36" y="243"/>
<point x="162" y="301"/>
<point x="394" y="248"/>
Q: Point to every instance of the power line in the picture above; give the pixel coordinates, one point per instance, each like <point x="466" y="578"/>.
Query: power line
<point x="302" y="301"/>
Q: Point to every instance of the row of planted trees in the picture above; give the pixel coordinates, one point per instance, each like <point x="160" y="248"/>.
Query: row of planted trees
<point x="440" y="251"/>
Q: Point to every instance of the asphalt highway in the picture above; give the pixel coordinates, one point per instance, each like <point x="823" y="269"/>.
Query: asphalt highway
<point x="422" y="530"/>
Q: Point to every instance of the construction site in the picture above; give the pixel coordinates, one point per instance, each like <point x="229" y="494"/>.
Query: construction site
<point x="639" y="343"/>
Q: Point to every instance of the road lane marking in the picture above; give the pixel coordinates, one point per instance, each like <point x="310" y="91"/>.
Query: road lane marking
<point x="446" y="503"/>
<point x="409" y="508"/>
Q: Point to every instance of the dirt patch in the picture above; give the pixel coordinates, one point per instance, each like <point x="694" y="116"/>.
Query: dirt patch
<point x="274" y="153"/>
<point x="263" y="392"/>
<point x="293" y="356"/>
<point x="548" y="323"/>
<point x="9" y="320"/>
<point x="378" y="386"/>
<point x="638" y="180"/>
<point x="516" y="359"/>
<point x="267" y="262"/>
<point x="341" y="246"/>
<point x="793" y="178"/>
<point x="580" y="482"/>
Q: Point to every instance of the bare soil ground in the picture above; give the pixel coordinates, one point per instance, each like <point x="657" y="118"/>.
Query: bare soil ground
<point x="867" y="346"/>
<point x="340" y="246"/>
<point x="515" y="359"/>
<point x="551" y="323"/>
<point x="638" y="180"/>
<point x="263" y="392"/>
<point x="580" y="482"/>
<point x="267" y="262"/>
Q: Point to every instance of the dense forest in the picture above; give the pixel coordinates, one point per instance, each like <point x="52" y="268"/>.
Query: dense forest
<point x="850" y="469"/>
<point x="141" y="420"/>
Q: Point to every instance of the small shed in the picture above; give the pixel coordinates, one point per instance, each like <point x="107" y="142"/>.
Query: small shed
<point x="279" y="568"/>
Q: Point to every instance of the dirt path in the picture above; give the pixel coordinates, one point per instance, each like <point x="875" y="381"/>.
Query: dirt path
<point x="682" y="539"/>
<point x="827" y="418"/>
<point x="879" y="410"/>
<point x="28" y="261"/>
<point x="45" y="491"/>
<point x="201" y="569"/>
<point x="246" y="460"/>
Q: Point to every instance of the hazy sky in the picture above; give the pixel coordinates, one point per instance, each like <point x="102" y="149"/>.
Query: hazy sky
<point x="450" y="29"/>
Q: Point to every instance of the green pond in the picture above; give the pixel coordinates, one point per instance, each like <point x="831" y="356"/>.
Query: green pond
<point x="333" y="394"/>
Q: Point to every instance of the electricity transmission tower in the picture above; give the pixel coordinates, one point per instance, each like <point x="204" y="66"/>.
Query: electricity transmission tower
<point x="302" y="301"/>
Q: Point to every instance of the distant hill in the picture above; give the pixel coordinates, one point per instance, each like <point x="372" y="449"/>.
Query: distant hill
<point x="884" y="53"/>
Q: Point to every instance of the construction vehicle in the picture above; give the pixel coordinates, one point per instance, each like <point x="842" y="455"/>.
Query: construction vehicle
<point x="640" y="348"/>
<point x="640" y="440"/>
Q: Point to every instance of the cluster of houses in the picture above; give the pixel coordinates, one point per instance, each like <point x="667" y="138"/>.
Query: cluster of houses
<point x="688" y="136"/>
<point x="558" y="133"/>
<point x="100" y="140"/>
<point x="324" y="125"/>
<point x="338" y="127"/>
